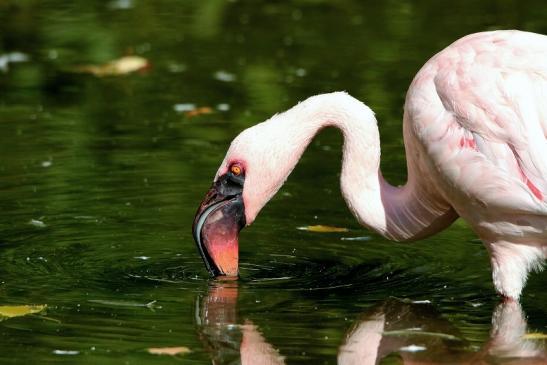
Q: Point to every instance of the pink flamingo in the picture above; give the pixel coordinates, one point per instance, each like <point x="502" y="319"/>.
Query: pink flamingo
<point x="475" y="132"/>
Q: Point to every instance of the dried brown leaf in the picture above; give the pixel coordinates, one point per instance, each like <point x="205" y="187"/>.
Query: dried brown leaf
<point x="198" y="111"/>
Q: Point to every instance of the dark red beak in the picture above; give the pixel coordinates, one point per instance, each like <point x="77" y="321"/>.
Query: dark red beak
<point x="217" y="223"/>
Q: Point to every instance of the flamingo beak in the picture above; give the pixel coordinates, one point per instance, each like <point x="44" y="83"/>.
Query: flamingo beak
<point x="220" y="217"/>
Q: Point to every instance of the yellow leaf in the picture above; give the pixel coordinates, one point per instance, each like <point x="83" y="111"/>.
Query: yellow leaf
<point x="323" y="229"/>
<point x="10" y="311"/>
<point x="535" y="336"/>
<point x="172" y="351"/>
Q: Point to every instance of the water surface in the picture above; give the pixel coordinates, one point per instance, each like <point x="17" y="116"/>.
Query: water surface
<point x="101" y="176"/>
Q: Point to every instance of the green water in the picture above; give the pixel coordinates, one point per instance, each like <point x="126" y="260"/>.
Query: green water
<point x="100" y="178"/>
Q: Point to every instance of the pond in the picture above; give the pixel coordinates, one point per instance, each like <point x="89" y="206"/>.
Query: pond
<point x="105" y="159"/>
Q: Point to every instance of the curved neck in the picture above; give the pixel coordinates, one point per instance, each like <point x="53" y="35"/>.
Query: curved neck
<point x="399" y="213"/>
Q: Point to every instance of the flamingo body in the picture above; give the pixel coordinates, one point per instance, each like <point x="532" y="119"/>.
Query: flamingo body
<point x="475" y="132"/>
<point x="477" y="109"/>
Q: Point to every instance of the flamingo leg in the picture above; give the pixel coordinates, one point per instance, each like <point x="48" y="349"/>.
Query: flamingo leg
<point x="511" y="264"/>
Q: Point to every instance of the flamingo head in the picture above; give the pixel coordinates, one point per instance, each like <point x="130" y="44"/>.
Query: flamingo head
<point x="252" y="171"/>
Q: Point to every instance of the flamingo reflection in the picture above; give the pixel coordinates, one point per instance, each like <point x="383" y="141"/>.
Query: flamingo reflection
<point x="400" y="331"/>
<point x="224" y="338"/>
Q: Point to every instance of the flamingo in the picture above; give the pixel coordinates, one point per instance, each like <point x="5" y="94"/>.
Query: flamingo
<point x="475" y="135"/>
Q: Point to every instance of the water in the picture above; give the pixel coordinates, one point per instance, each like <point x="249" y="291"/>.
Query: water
<point x="101" y="177"/>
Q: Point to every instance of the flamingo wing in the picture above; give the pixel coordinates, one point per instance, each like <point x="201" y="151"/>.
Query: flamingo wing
<point x="485" y="122"/>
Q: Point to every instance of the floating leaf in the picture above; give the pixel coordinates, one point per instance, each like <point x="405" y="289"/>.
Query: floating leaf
<point x="10" y="311"/>
<point x="12" y="57"/>
<point x="425" y="301"/>
<point x="191" y="110"/>
<point x="184" y="107"/>
<point x="66" y="352"/>
<point x="121" y="4"/>
<point x="37" y="223"/>
<point x="223" y="107"/>
<point x="535" y="336"/>
<point x="360" y="238"/>
<point x="172" y="351"/>
<point x="198" y="111"/>
<point x="322" y="229"/>
<point x="126" y="303"/>
<point x="224" y="76"/>
<point x="418" y="332"/>
<point x="121" y="66"/>
<point x="413" y="348"/>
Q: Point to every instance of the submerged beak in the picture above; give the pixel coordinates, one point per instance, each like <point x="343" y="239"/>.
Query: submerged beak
<point x="217" y="223"/>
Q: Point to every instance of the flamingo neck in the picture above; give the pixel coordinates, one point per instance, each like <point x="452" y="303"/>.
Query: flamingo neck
<point x="398" y="213"/>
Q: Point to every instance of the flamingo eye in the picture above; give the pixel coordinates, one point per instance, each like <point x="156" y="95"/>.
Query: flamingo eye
<point x="236" y="169"/>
